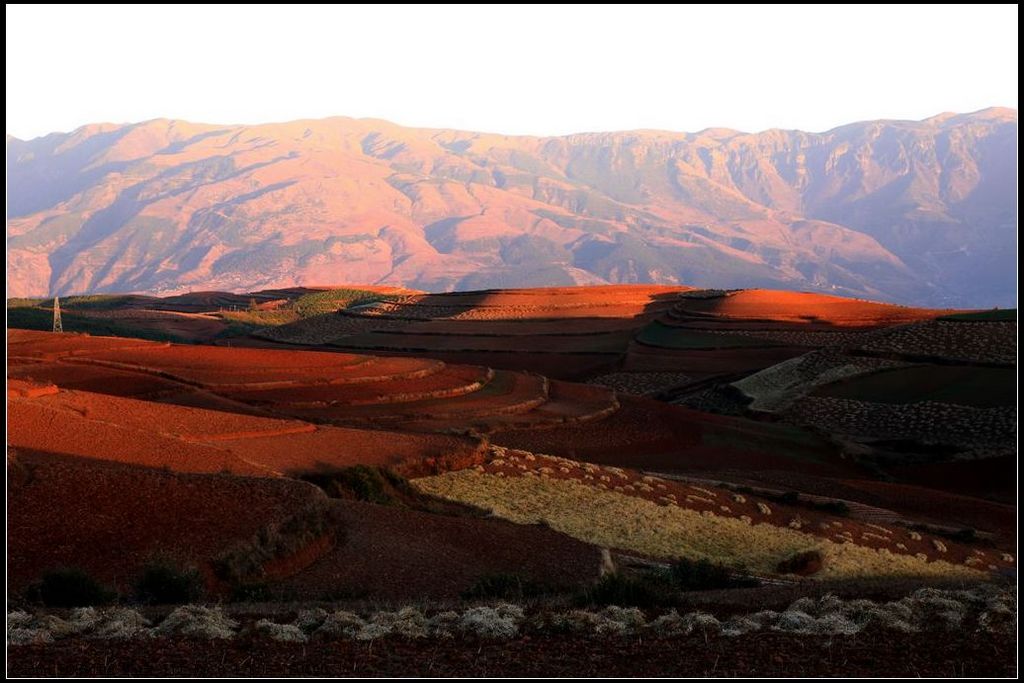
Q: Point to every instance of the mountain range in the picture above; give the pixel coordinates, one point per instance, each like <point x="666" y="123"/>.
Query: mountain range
<point x="914" y="212"/>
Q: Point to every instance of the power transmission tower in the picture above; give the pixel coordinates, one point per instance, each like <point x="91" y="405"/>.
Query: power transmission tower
<point x="57" y="327"/>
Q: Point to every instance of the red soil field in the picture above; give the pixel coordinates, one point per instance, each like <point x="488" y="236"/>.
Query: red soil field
<point x="994" y="478"/>
<point x="806" y="308"/>
<point x="399" y="554"/>
<point x="167" y="419"/>
<point x="189" y="439"/>
<point x="598" y="342"/>
<point x="649" y="435"/>
<point x="94" y="378"/>
<point x="566" y="402"/>
<point x="507" y="392"/>
<point x="43" y="345"/>
<point x="19" y="388"/>
<point x="331" y="448"/>
<point x="557" y="296"/>
<point x="450" y="381"/>
<point x="705" y="363"/>
<point x="944" y="508"/>
<point x="515" y="328"/>
<point x="215" y="365"/>
<point x="616" y="301"/>
<point x="187" y="326"/>
<point x="111" y="520"/>
<point x="557" y="366"/>
<point x="34" y="426"/>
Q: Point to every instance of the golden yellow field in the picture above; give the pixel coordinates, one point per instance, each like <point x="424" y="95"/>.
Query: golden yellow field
<point x="613" y="520"/>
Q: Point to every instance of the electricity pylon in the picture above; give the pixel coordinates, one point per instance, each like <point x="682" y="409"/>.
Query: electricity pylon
<point x="57" y="327"/>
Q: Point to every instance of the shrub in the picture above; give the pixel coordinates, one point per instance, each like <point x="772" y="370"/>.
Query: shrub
<point x="617" y="589"/>
<point x="835" y="507"/>
<point x="504" y="587"/>
<point x="690" y="575"/>
<point x="966" y="535"/>
<point x="803" y="564"/>
<point x="72" y="587"/>
<point x="242" y="564"/>
<point x="369" y="484"/>
<point x="164" y="582"/>
<point x="250" y="591"/>
<point x="789" y="498"/>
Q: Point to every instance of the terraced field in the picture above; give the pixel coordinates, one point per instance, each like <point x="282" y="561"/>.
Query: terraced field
<point x="564" y="333"/>
<point x="458" y="404"/>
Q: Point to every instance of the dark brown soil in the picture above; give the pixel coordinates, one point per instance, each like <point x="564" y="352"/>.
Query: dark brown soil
<point x="768" y="654"/>
<point x="392" y="553"/>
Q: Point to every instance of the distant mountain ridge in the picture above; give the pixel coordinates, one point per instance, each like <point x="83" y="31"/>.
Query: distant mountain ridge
<point x="919" y="213"/>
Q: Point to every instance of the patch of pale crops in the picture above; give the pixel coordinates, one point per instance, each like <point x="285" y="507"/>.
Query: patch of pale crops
<point x="613" y="520"/>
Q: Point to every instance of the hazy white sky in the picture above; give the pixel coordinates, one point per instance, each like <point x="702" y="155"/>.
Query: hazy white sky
<point x="538" y="70"/>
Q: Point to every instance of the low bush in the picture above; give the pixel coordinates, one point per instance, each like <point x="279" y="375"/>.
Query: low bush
<point x="627" y="591"/>
<point x="72" y="587"/>
<point x="361" y="482"/>
<point x="504" y="587"/>
<point x="802" y="564"/>
<point x="698" y="575"/>
<point x="243" y="563"/>
<point x="249" y="591"/>
<point x="165" y="582"/>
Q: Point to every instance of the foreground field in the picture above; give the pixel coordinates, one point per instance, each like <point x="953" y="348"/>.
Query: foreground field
<point x="774" y="655"/>
<point x="801" y="638"/>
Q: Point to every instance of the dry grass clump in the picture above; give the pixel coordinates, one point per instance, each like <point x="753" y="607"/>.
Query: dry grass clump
<point x="706" y="492"/>
<point x="444" y="624"/>
<point x="22" y="630"/>
<point x="121" y="623"/>
<point x="923" y="609"/>
<point x="613" y="520"/>
<point x="984" y="607"/>
<point x="286" y="633"/>
<point x="407" y="622"/>
<point x="341" y="624"/>
<point x="309" y="620"/>
<point x="611" y="621"/>
<point x="500" y="622"/>
<point x="117" y="623"/>
<point x="197" y="621"/>
<point x="672" y="624"/>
